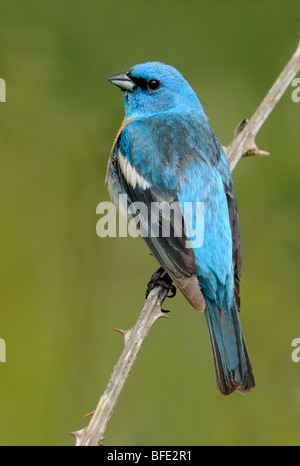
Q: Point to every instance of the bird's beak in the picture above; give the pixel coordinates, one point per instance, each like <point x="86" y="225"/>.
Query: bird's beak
<point x="123" y="81"/>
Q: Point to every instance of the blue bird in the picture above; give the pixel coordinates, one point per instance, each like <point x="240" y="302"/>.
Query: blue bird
<point x="166" y="151"/>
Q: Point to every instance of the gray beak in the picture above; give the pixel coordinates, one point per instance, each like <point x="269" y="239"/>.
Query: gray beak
<point x="123" y="81"/>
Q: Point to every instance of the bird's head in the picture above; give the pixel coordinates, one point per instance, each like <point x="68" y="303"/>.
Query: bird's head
<point x="155" y="88"/>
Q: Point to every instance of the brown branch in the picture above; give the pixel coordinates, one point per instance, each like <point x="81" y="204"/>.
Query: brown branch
<point x="93" y="434"/>
<point x="243" y="144"/>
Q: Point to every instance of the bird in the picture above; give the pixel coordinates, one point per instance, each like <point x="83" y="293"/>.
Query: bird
<point x="167" y="152"/>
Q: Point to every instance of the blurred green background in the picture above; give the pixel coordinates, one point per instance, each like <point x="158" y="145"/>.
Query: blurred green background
<point x="63" y="289"/>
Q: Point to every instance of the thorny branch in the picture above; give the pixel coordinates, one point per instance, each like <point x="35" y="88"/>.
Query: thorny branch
<point x="243" y="144"/>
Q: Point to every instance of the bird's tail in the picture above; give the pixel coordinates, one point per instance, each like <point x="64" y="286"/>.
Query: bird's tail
<point x="232" y="365"/>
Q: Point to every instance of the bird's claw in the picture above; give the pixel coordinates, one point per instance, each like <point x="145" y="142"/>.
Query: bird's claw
<point x="161" y="278"/>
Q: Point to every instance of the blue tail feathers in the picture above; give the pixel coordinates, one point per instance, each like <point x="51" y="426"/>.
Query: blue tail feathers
<point x="232" y="365"/>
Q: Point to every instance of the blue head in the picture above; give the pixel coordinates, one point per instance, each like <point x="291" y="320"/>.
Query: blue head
<point x="153" y="87"/>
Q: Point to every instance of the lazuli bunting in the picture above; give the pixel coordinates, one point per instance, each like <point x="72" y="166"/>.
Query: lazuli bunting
<point x="166" y="152"/>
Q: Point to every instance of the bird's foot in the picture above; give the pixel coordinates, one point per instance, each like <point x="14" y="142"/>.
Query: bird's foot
<point x="161" y="278"/>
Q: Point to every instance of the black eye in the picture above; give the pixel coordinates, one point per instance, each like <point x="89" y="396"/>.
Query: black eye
<point x="153" y="84"/>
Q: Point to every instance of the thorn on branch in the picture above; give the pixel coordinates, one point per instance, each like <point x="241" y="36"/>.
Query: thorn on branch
<point x="87" y="415"/>
<point x="120" y="330"/>
<point x="255" y="151"/>
<point x="78" y="434"/>
<point x="240" y="126"/>
<point x="163" y="314"/>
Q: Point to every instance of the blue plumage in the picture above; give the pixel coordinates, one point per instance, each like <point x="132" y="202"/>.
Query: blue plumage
<point x="166" y="151"/>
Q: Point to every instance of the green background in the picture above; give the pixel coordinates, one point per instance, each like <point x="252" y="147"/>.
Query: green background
<point x="63" y="289"/>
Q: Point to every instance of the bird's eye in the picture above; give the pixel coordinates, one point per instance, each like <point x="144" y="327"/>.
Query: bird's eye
<point x="153" y="84"/>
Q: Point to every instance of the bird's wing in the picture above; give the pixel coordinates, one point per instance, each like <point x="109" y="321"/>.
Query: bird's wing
<point x="169" y="250"/>
<point x="237" y="254"/>
<point x="175" y="160"/>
